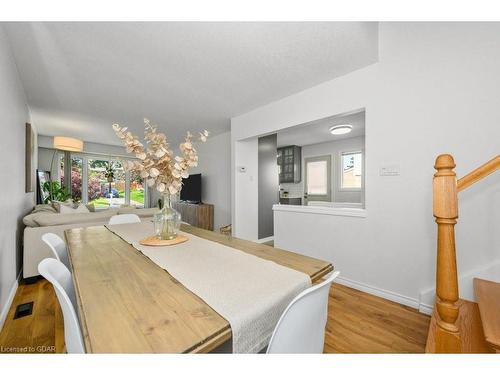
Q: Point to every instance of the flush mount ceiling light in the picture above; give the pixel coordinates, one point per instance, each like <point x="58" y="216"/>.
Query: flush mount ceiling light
<point x="340" y="129"/>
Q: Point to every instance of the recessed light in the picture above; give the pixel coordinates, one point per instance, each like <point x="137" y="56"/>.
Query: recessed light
<point x="340" y="129"/>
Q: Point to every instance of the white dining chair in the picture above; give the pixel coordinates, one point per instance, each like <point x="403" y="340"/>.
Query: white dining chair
<point x="301" y="328"/>
<point x="59" y="276"/>
<point x="124" y="219"/>
<point x="58" y="247"/>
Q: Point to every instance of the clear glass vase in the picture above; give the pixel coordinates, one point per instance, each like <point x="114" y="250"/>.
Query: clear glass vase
<point x="168" y="220"/>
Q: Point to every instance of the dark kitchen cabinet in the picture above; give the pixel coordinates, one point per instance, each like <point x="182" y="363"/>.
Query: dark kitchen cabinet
<point x="289" y="164"/>
<point x="291" y="201"/>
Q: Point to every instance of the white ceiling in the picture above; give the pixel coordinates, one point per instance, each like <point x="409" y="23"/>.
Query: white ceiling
<point x="319" y="131"/>
<point x="80" y="78"/>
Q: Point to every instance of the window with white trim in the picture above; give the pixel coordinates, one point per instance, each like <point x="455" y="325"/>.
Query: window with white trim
<point x="351" y="170"/>
<point x="89" y="183"/>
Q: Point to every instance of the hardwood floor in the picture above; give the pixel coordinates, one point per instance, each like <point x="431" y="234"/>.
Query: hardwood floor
<point x="357" y="323"/>
<point x="40" y="332"/>
<point x="362" y="323"/>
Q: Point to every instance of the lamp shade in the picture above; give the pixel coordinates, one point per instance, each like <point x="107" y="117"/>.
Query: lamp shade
<point x="68" y="144"/>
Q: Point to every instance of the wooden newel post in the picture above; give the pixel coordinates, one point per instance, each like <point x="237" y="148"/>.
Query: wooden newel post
<point x="445" y="208"/>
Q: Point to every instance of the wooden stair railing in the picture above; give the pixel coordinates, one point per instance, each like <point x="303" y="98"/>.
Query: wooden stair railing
<point x="445" y="209"/>
<point x="479" y="173"/>
<point x="447" y="335"/>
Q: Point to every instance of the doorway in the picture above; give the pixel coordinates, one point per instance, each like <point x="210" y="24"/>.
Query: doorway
<point x="318" y="179"/>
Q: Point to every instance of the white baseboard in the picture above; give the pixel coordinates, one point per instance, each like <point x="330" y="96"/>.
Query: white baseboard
<point x="267" y="239"/>
<point x="8" y="303"/>
<point x="425" y="308"/>
<point x="465" y="285"/>
<point x="386" y="294"/>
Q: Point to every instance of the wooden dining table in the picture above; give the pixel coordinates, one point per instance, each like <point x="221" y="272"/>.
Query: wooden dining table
<point x="128" y="304"/>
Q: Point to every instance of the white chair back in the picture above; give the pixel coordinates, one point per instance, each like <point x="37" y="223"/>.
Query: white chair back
<point x="58" y="247"/>
<point x="124" y="219"/>
<point x="301" y="328"/>
<point x="60" y="277"/>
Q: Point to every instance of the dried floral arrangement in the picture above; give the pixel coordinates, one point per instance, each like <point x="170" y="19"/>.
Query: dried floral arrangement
<point x="157" y="163"/>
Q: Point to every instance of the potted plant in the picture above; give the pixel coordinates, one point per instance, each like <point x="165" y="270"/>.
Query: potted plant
<point x="56" y="192"/>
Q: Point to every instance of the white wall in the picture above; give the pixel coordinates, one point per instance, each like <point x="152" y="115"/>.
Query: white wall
<point x="334" y="149"/>
<point x="14" y="202"/>
<point x="215" y="168"/>
<point x="245" y="192"/>
<point x="434" y="90"/>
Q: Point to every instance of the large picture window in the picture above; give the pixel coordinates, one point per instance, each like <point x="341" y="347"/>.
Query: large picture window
<point x="89" y="183"/>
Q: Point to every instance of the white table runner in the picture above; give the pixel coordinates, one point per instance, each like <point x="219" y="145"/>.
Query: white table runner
<point x="249" y="292"/>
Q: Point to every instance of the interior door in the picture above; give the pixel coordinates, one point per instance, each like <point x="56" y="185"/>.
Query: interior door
<point x="268" y="184"/>
<point x="318" y="179"/>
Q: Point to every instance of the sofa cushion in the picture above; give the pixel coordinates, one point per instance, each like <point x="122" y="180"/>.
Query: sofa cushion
<point x="44" y="208"/>
<point x="141" y="212"/>
<point x="81" y="208"/>
<point x="68" y="203"/>
<point x="45" y="215"/>
<point x="73" y="218"/>
<point x="29" y="220"/>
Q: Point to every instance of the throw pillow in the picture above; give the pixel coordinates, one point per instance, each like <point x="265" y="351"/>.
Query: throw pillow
<point x="65" y="209"/>
<point x="81" y="208"/>
<point x="57" y="205"/>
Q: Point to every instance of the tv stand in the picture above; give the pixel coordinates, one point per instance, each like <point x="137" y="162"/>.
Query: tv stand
<point x="199" y="215"/>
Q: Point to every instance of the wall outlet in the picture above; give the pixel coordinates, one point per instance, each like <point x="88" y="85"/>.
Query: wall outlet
<point x="389" y="170"/>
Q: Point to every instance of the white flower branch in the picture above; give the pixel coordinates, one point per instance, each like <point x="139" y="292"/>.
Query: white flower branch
<point x="157" y="163"/>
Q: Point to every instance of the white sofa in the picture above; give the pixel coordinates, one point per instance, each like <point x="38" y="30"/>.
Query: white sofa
<point x="43" y="220"/>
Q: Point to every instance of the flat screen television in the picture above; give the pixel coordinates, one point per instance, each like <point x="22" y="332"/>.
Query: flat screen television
<point x="191" y="189"/>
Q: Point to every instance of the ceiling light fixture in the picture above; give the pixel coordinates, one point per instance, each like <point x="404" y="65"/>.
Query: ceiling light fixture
<point x="68" y="144"/>
<point x="340" y="129"/>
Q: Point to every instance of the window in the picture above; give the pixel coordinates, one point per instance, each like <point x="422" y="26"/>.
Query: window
<point x="60" y="156"/>
<point x="352" y="169"/>
<point x="117" y="196"/>
<point x="76" y="178"/>
<point x="96" y="184"/>
<point x="89" y="183"/>
<point x="137" y="190"/>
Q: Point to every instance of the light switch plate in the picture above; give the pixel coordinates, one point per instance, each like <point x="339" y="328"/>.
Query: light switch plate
<point x="389" y="170"/>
